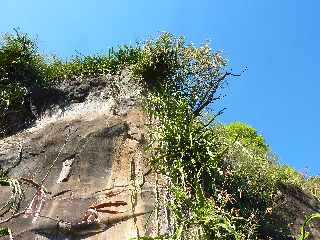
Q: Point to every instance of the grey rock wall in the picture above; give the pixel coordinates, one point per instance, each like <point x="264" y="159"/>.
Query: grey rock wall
<point x="87" y="153"/>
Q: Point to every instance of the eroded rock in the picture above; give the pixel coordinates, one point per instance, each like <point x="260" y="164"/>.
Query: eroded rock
<point x="87" y="154"/>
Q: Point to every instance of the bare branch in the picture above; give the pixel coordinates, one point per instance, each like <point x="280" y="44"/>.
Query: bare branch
<point x="214" y="117"/>
<point x="208" y="96"/>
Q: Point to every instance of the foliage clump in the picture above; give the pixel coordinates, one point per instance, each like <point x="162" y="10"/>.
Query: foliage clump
<point x="224" y="179"/>
<point x="23" y="70"/>
<point x="20" y="70"/>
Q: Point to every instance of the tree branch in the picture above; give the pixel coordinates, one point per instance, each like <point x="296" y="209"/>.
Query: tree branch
<point x="208" y="96"/>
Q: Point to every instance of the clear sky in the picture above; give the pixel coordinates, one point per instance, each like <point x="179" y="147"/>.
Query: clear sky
<point x="278" y="40"/>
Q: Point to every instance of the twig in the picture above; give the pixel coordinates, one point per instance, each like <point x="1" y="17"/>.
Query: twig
<point x="214" y="117"/>
<point x="208" y="96"/>
<point x="208" y="123"/>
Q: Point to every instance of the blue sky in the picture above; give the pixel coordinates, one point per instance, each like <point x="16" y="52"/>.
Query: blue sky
<point x="277" y="40"/>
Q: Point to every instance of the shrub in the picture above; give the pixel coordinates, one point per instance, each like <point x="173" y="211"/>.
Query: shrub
<point x="224" y="179"/>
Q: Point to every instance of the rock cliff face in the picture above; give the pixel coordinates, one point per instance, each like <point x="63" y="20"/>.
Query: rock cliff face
<point x="294" y="206"/>
<point x="88" y="151"/>
<point x="87" y="148"/>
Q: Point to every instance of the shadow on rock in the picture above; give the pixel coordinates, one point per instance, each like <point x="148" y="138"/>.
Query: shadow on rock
<point x="35" y="103"/>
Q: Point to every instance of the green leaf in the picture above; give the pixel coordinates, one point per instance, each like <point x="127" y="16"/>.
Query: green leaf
<point x="4" y="232"/>
<point x="304" y="233"/>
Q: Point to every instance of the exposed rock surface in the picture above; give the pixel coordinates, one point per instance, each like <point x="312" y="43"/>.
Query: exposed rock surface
<point x="89" y="152"/>
<point x="296" y="206"/>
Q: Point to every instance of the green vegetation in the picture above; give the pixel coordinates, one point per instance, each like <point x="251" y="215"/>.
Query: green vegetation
<point x="23" y="68"/>
<point x="312" y="218"/>
<point x="13" y="203"/>
<point x="4" y="232"/>
<point x="224" y="179"/>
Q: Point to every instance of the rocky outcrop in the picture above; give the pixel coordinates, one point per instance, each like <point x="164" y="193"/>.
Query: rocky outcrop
<point x="295" y="206"/>
<point x="87" y="153"/>
<point x="86" y="147"/>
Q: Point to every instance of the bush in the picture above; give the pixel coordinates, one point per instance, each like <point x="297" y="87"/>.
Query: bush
<point x="21" y="69"/>
<point x="24" y="70"/>
<point x="225" y="179"/>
